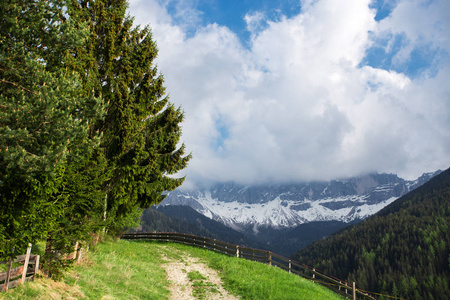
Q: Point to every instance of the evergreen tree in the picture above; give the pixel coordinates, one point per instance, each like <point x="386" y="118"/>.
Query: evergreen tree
<point x="84" y="175"/>
<point x="141" y="129"/>
<point x="42" y="111"/>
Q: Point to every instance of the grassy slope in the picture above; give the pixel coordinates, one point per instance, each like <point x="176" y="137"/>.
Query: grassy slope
<point x="253" y="280"/>
<point x="132" y="270"/>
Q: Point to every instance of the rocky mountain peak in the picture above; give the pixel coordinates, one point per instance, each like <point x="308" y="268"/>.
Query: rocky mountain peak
<point x="288" y="205"/>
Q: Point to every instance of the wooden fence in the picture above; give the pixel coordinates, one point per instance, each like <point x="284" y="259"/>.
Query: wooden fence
<point x="29" y="267"/>
<point x="262" y="256"/>
<point x="25" y="272"/>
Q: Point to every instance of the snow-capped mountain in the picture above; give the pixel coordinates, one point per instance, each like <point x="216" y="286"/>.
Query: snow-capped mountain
<point x="288" y="205"/>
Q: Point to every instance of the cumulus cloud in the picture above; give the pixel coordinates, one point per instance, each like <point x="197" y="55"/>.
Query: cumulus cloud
<point x="298" y="103"/>
<point x="422" y="28"/>
<point x="255" y="21"/>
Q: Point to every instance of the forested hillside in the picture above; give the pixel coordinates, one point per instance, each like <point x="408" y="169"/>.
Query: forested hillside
<point x="184" y="219"/>
<point x="404" y="250"/>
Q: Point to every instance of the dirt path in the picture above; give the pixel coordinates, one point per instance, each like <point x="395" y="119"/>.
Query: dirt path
<point x="192" y="279"/>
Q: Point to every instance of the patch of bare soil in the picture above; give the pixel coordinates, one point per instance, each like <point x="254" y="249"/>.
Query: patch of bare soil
<point x="192" y="279"/>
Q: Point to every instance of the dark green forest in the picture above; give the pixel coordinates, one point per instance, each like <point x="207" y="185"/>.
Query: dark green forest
<point x="184" y="219"/>
<point x="403" y="250"/>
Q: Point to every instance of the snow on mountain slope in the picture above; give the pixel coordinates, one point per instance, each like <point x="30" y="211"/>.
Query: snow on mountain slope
<point x="283" y="206"/>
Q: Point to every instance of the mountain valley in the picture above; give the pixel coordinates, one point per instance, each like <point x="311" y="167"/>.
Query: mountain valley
<point x="280" y="218"/>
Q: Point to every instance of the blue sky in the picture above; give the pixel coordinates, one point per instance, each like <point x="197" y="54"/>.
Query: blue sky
<point x="232" y="13"/>
<point x="278" y="91"/>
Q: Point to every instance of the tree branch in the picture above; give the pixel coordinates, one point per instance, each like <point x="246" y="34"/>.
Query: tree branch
<point x="20" y="87"/>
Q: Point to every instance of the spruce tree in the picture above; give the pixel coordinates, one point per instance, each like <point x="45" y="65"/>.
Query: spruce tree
<point x="42" y="110"/>
<point x="141" y="129"/>
<point x="82" y="182"/>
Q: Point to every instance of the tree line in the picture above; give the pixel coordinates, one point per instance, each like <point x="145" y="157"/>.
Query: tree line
<point x="88" y="138"/>
<point x="402" y="251"/>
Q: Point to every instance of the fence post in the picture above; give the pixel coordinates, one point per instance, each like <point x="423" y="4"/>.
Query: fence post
<point x="36" y="266"/>
<point x="314" y="274"/>
<point x="8" y="275"/>
<point x="290" y="266"/>
<point x="25" y="265"/>
<point x="354" y="290"/>
<point x="270" y="257"/>
<point x="80" y="252"/>
<point x="237" y="251"/>
<point x="75" y="250"/>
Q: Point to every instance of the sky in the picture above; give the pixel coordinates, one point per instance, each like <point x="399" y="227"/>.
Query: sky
<point x="291" y="91"/>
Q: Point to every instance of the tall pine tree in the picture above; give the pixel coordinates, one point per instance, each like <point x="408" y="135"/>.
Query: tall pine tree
<point x="42" y="110"/>
<point x="141" y="129"/>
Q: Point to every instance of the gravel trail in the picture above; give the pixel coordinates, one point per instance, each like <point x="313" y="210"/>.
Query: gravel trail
<point x="207" y="284"/>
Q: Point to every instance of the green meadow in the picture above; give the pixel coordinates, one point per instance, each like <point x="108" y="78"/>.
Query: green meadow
<point x="135" y="270"/>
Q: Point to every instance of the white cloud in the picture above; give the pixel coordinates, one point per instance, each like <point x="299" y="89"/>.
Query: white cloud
<point x="255" y="22"/>
<point x="424" y="24"/>
<point x="296" y="104"/>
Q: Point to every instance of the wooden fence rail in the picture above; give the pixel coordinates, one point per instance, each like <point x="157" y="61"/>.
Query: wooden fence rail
<point x="29" y="268"/>
<point x="262" y="256"/>
<point x="20" y="274"/>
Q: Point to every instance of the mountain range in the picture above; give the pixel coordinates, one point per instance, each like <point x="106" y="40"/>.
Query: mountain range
<point x="282" y="206"/>
<point x="400" y="251"/>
